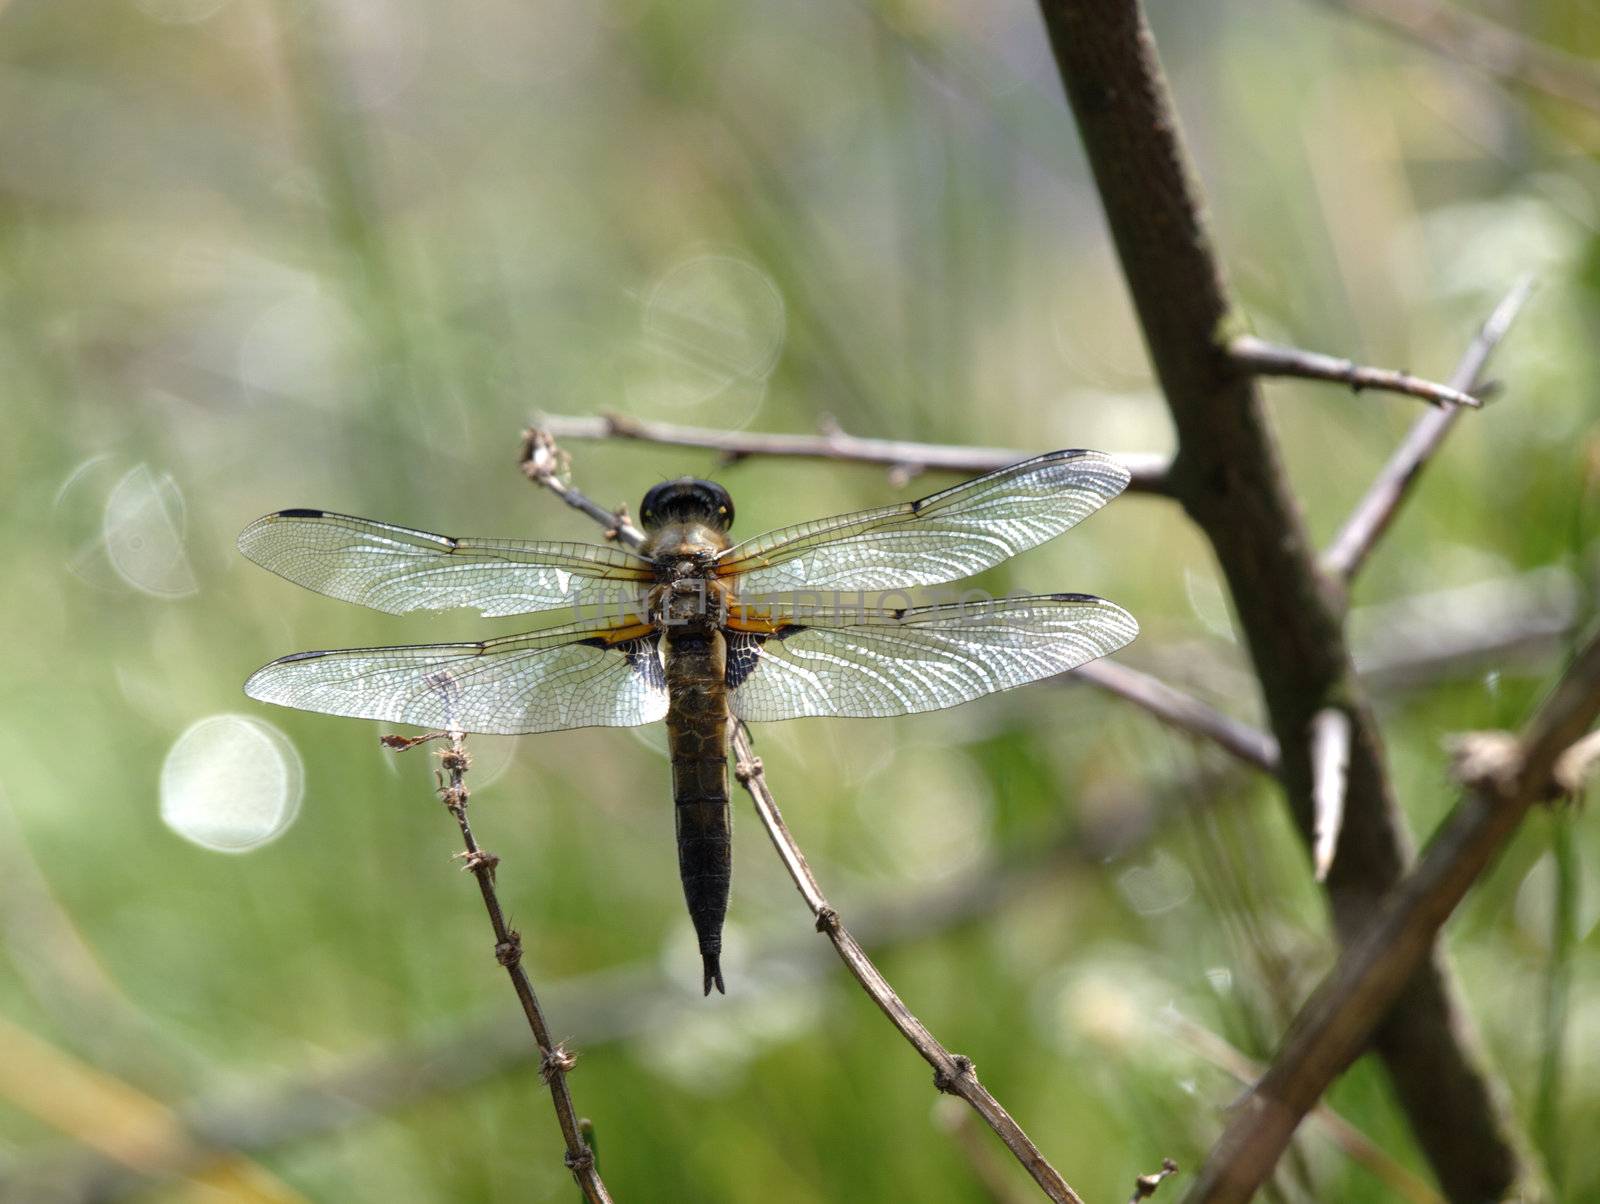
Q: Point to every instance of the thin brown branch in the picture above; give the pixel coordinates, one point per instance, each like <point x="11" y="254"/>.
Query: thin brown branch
<point x="1183" y="711"/>
<point x="1504" y="779"/>
<point x="1371" y="518"/>
<point x="1273" y="359"/>
<point x="1230" y="478"/>
<point x="953" y="1074"/>
<point x="1400" y="1180"/>
<point x="1330" y="767"/>
<point x="1147" y="470"/>
<point x="544" y="463"/>
<point x="555" y="1061"/>
<point x="1462" y="36"/>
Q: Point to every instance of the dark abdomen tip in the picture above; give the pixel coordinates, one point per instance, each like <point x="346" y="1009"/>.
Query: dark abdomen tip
<point x="713" y="968"/>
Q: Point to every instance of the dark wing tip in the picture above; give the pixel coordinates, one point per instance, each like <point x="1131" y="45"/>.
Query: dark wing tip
<point x="1074" y="598"/>
<point x="298" y="512"/>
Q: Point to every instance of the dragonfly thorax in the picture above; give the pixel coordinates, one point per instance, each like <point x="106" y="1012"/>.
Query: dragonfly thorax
<point x="690" y="601"/>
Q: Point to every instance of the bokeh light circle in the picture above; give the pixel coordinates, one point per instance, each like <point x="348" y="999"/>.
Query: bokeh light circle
<point x="712" y="330"/>
<point x="143" y="528"/>
<point x="231" y="783"/>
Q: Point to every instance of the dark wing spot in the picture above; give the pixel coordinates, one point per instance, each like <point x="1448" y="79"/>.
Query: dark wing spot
<point x="643" y="656"/>
<point x="744" y="651"/>
<point x="744" y="655"/>
<point x="300" y="513"/>
<point x="300" y="656"/>
<point x="645" y="660"/>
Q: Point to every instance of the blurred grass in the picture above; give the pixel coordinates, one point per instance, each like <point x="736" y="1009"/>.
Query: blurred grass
<point x="335" y="254"/>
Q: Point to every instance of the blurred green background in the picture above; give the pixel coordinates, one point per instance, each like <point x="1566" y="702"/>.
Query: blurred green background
<point x="257" y="255"/>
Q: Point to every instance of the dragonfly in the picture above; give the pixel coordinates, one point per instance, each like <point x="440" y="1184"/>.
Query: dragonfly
<point x="701" y="631"/>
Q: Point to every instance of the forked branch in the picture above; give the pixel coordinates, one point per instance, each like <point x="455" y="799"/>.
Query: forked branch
<point x="554" y="1060"/>
<point x="1231" y="480"/>
<point x="952" y="1073"/>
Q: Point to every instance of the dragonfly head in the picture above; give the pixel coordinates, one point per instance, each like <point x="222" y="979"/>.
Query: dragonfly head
<point x="687" y="500"/>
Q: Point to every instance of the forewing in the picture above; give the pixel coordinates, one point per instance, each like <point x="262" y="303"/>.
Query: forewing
<point x="873" y="663"/>
<point x="943" y="537"/>
<point x="396" y="569"/>
<point x="577" y="675"/>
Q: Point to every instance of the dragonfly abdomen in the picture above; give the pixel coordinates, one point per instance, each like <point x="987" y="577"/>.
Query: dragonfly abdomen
<point x="697" y="735"/>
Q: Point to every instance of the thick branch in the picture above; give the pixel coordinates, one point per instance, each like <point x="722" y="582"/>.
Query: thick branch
<point x="1505" y="779"/>
<point x="1148" y="470"/>
<point x="1271" y="359"/>
<point x="1228" y="475"/>
<point x="952" y="1073"/>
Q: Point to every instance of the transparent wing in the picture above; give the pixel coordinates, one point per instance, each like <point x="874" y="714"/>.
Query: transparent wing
<point x="943" y="537"/>
<point x="898" y="662"/>
<point x="577" y="675"/>
<point x="396" y="570"/>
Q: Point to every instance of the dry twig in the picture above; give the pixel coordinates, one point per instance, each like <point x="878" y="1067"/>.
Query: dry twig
<point x="1395" y="481"/>
<point x="1504" y="778"/>
<point x="1272" y="359"/>
<point x="953" y="1074"/>
<point x="555" y="1061"/>
<point x="1183" y="711"/>
<point x="1148" y="470"/>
